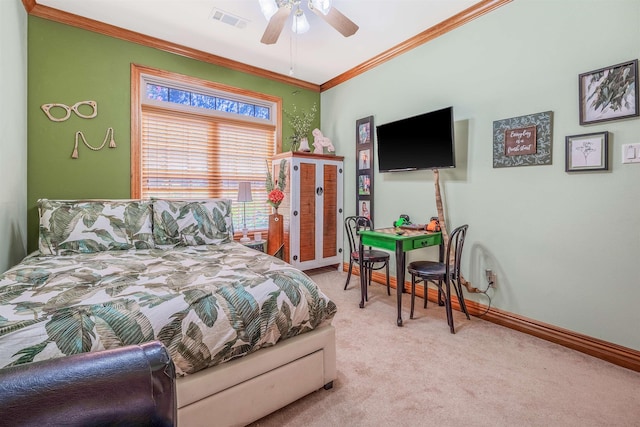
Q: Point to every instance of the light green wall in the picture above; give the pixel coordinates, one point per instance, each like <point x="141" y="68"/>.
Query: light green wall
<point x="13" y="133"/>
<point x="565" y="247"/>
<point x="67" y="65"/>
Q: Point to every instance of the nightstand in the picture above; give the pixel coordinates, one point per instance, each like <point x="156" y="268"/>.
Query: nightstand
<point x="257" y="245"/>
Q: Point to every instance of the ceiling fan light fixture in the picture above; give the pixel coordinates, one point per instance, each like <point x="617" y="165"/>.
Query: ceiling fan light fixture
<point x="300" y="24"/>
<point x="321" y="5"/>
<point x="268" y="8"/>
<point x="283" y="8"/>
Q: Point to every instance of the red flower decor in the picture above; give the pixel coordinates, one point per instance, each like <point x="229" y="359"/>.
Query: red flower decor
<point x="275" y="190"/>
<point x="275" y="197"/>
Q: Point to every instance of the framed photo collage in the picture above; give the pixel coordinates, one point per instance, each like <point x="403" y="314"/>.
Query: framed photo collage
<point x="364" y="167"/>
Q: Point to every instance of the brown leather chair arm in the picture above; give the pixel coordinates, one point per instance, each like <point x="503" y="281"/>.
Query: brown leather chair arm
<point x="128" y="386"/>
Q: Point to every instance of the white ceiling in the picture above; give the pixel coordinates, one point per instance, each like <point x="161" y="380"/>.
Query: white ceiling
<point x="318" y="56"/>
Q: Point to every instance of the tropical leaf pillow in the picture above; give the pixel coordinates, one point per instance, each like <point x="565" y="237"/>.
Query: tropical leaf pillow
<point x="192" y="222"/>
<point x="75" y="226"/>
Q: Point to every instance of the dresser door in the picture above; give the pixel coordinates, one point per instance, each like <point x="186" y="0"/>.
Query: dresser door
<point x="308" y="205"/>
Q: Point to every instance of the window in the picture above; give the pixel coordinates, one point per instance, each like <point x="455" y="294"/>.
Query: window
<point x="195" y="139"/>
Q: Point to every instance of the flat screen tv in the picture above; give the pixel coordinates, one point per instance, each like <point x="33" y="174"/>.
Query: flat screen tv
<point x="420" y="142"/>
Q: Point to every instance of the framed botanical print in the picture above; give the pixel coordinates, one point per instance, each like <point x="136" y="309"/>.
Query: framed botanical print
<point x="588" y="152"/>
<point x="610" y="93"/>
<point x="364" y="167"/>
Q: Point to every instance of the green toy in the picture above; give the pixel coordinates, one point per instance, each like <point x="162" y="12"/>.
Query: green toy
<point x="400" y="222"/>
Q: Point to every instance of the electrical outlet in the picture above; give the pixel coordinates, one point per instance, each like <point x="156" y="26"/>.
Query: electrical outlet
<point x="491" y="277"/>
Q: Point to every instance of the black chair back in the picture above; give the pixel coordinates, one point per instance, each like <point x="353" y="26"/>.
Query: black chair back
<point x="455" y="245"/>
<point x="354" y="224"/>
<point x="372" y="259"/>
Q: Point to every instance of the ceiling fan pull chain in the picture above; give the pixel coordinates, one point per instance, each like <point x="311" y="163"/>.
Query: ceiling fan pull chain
<point x="291" y="59"/>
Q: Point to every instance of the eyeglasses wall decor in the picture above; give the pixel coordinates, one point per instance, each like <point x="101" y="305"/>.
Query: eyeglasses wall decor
<point x="364" y="167"/>
<point x="68" y="109"/>
<point x="79" y="136"/>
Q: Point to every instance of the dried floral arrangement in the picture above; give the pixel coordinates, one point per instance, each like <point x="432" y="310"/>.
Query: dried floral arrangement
<point x="301" y="124"/>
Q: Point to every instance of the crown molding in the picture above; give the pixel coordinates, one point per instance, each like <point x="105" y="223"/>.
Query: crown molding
<point x="29" y="5"/>
<point x="81" y="22"/>
<point x="444" y="27"/>
<point x="473" y="12"/>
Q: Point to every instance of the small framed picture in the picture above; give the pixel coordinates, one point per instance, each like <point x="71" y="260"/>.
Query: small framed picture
<point x="609" y="93"/>
<point x="364" y="159"/>
<point x="588" y="152"/>
<point x="363" y="130"/>
<point x="364" y="208"/>
<point x="364" y="185"/>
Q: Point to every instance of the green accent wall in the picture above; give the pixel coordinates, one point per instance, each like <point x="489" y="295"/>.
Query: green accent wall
<point x="67" y="65"/>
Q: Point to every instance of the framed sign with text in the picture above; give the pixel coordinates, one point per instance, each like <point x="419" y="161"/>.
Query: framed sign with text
<point x="523" y="141"/>
<point x="520" y="141"/>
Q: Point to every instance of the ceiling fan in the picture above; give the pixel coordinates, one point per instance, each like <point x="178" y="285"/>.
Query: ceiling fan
<point x="277" y="12"/>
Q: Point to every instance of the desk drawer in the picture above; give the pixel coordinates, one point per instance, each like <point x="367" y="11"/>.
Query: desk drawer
<point x="425" y="241"/>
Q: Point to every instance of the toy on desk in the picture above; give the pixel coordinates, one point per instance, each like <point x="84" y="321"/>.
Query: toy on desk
<point x="434" y="224"/>
<point x="401" y="222"/>
<point x="405" y="223"/>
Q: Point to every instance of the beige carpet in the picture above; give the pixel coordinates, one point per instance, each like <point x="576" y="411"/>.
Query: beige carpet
<point x="484" y="375"/>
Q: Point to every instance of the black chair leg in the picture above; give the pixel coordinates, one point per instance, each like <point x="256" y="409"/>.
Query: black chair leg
<point x="425" y="292"/>
<point x="388" y="285"/>
<point x="364" y="270"/>
<point x="447" y="303"/>
<point x="458" y="287"/>
<point x="413" y="294"/>
<point x="348" y="274"/>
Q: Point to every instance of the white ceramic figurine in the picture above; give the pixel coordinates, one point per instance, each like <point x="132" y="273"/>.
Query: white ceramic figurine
<point x="320" y="142"/>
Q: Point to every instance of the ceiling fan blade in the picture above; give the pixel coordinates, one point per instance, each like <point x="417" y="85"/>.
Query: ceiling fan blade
<point x="275" y="25"/>
<point x="337" y="20"/>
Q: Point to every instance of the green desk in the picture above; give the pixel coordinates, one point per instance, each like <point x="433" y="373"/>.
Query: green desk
<point x="386" y="238"/>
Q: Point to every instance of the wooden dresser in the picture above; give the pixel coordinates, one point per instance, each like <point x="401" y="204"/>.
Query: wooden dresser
<point x="312" y="209"/>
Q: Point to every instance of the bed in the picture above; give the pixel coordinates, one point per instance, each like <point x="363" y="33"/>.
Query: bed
<point x="248" y="333"/>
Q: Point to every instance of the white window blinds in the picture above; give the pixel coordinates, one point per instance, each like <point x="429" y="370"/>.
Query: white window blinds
<point x="186" y="152"/>
<point x="190" y="156"/>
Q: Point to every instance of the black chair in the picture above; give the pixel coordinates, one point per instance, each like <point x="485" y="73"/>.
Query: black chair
<point x="372" y="259"/>
<point x="126" y="386"/>
<point x="439" y="272"/>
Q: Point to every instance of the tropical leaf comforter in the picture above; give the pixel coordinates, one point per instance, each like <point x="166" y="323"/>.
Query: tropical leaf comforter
<point x="208" y="304"/>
